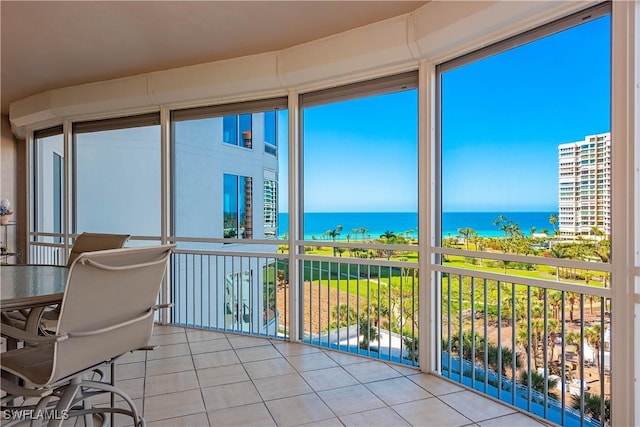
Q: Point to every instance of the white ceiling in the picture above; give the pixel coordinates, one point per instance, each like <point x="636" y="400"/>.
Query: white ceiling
<point x="53" y="44"/>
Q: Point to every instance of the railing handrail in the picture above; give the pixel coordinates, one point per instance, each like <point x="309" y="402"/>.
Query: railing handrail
<point x="529" y="259"/>
<point x="360" y="261"/>
<point x="355" y="245"/>
<point x="220" y="252"/>
<point x="523" y="280"/>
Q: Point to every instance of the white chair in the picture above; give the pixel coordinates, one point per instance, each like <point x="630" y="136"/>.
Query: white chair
<point x="85" y="242"/>
<point x="107" y="310"/>
<point x="89" y="242"/>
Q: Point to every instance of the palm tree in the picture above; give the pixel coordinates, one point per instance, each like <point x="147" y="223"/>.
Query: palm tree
<point x="593" y="336"/>
<point x="409" y="234"/>
<point x="593" y="406"/>
<point x="574" y="338"/>
<point x="603" y="250"/>
<point x="411" y="344"/>
<point x="367" y="330"/>
<point x="572" y="298"/>
<point x="538" y="382"/>
<point x="466" y="233"/>
<point x="468" y="345"/>
<point x="388" y="235"/>
<point x="362" y="231"/>
<point x="506" y="358"/>
<point x="557" y="252"/>
<point x="534" y="331"/>
<point x="555" y="300"/>
<point x="333" y="234"/>
<point x="343" y="316"/>
<point x="554" y="330"/>
<point x="553" y="220"/>
<point x="596" y="232"/>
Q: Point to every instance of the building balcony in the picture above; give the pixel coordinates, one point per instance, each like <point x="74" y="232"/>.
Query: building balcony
<point x="201" y="378"/>
<point x="531" y="344"/>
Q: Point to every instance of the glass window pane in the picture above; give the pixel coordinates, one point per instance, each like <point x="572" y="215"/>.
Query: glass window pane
<point x="207" y="172"/>
<point x="230" y="130"/>
<point x="270" y="197"/>
<point x="238" y="218"/>
<point x="49" y="184"/>
<point x="270" y="128"/>
<point x="230" y="206"/>
<point x="245" y="207"/>
<point x="117" y="181"/>
<point x="58" y="192"/>
<point x="531" y="116"/>
<point x="245" y="130"/>
<point x="361" y="168"/>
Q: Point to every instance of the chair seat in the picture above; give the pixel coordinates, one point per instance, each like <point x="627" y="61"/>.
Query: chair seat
<point x="35" y="364"/>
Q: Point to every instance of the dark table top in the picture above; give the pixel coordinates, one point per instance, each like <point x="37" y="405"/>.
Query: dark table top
<point x="25" y="286"/>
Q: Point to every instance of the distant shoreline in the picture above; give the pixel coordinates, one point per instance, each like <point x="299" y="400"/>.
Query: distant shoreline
<point x="376" y="223"/>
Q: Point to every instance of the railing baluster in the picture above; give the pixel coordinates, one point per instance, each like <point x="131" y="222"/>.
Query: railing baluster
<point x="209" y="308"/>
<point x="603" y="362"/>
<point x="460" y="328"/>
<point x="390" y="276"/>
<point x="582" y="396"/>
<point x="486" y="338"/>
<point x="513" y="344"/>
<point x="414" y="313"/>
<point x="545" y="339"/>
<point x="473" y="334"/>
<point x="201" y="292"/>
<point x="449" y="327"/>
<point x="529" y="347"/>
<point x="563" y="378"/>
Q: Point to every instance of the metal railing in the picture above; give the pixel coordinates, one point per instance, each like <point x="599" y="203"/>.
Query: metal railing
<point x="540" y="345"/>
<point x="362" y="306"/>
<point x="242" y="292"/>
<point x="46" y="253"/>
<point x="351" y="304"/>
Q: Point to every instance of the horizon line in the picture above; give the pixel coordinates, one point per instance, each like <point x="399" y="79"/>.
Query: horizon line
<point x="479" y="211"/>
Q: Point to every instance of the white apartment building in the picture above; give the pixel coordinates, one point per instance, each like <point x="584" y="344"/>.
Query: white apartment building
<point x="584" y="187"/>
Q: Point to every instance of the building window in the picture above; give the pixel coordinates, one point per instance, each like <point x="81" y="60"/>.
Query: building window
<point x="237" y="130"/>
<point x="230" y="130"/>
<point x="238" y="218"/>
<point x="270" y="135"/>
<point x="270" y="197"/>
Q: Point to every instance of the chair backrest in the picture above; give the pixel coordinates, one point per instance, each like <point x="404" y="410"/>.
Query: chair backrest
<point x="89" y="242"/>
<point x="107" y="308"/>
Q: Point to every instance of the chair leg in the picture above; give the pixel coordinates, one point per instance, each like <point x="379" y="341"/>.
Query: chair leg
<point x="97" y="387"/>
<point x="62" y="407"/>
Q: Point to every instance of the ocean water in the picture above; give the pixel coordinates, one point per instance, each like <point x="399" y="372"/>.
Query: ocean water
<point x="376" y="223"/>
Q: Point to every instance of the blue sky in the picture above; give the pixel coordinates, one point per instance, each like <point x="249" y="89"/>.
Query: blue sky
<point x="502" y="120"/>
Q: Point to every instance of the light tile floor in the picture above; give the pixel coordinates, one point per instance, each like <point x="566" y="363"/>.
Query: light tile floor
<point x="201" y="378"/>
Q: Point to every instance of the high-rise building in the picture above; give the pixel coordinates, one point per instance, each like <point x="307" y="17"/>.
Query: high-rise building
<point x="584" y="187"/>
